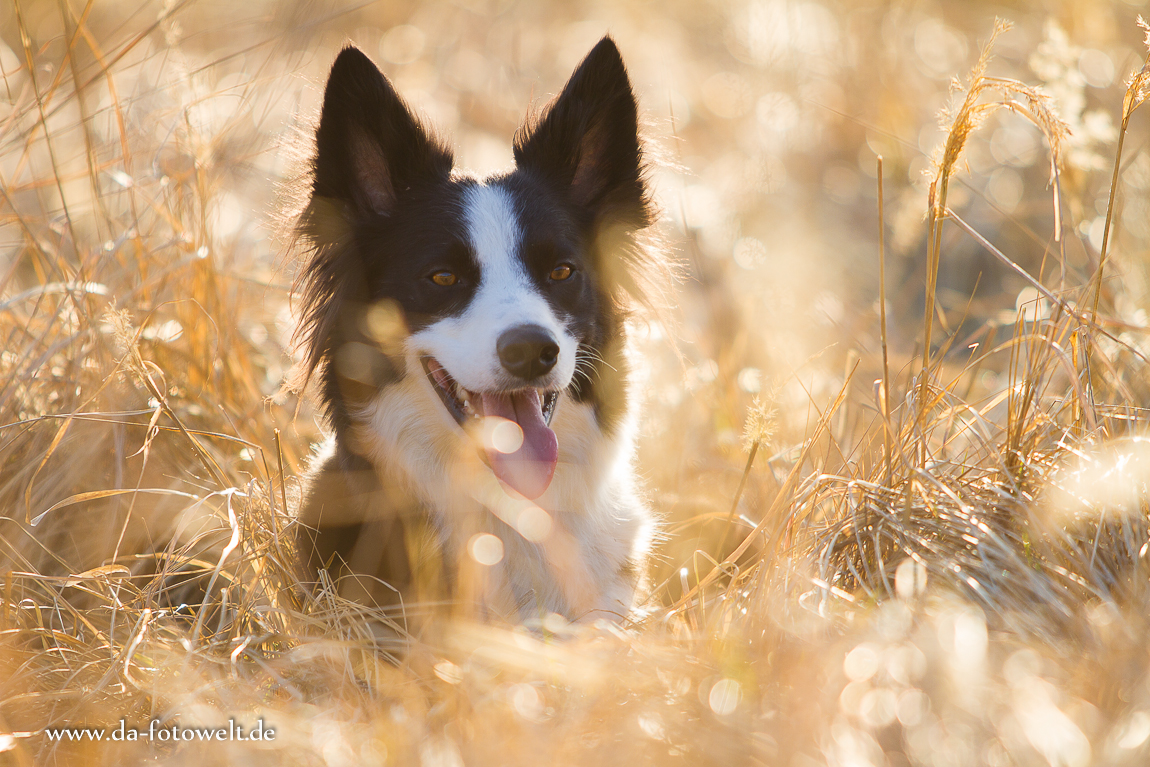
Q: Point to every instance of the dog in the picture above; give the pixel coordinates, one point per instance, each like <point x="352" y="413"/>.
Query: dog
<point x="468" y="341"/>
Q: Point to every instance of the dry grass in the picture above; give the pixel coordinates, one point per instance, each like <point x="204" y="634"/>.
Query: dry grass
<point x="948" y="567"/>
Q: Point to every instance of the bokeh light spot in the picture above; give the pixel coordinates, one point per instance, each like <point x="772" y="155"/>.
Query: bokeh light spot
<point x="534" y="524"/>
<point x="486" y="549"/>
<point x="725" y="696"/>
<point x="861" y="663"/>
<point x="501" y="434"/>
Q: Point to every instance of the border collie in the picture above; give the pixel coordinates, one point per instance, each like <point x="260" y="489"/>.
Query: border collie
<point x="468" y="337"/>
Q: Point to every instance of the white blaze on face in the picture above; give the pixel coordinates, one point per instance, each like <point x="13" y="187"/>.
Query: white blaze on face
<point x="466" y="345"/>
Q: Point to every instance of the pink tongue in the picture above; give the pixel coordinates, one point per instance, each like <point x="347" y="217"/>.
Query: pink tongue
<point x="529" y="469"/>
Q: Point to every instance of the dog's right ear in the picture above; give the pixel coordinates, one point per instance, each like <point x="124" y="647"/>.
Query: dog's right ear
<point x="369" y="146"/>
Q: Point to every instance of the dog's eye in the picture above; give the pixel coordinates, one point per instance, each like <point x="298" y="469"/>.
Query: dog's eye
<point x="444" y="278"/>
<point x="561" y="272"/>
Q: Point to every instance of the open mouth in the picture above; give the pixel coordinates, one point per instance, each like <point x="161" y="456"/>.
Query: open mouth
<point x="530" y="465"/>
<point x="465" y="405"/>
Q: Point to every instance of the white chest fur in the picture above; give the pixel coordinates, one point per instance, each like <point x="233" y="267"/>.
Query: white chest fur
<point x="575" y="551"/>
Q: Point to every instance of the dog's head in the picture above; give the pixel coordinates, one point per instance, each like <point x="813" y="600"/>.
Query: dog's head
<point x="505" y="294"/>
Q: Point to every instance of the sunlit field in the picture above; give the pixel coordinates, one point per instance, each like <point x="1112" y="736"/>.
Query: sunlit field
<point x="895" y="420"/>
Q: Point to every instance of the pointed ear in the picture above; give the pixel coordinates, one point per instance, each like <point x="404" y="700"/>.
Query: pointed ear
<point x="587" y="140"/>
<point x="369" y="146"/>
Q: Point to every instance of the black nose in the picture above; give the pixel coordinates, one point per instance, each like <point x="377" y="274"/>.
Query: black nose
<point x="527" y="351"/>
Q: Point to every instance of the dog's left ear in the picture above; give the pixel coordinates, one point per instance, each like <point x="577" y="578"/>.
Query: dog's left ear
<point x="587" y="141"/>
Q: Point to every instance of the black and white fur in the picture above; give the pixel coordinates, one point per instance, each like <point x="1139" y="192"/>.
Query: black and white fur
<point x="429" y="295"/>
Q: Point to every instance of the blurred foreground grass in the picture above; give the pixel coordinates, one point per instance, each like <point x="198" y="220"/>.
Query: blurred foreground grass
<point x="938" y="569"/>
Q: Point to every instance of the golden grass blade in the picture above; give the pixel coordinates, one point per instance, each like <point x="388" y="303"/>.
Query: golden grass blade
<point x="231" y="546"/>
<point x="105" y="572"/>
<point x="26" y="42"/>
<point x="1136" y="94"/>
<point x="1005" y="260"/>
<point x="738" y="496"/>
<point x="283" y="478"/>
<point x="98" y="494"/>
<point x="887" y="436"/>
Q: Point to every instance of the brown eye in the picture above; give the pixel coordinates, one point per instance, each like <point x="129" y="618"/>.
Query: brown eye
<point x="561" y="272"/>
<point x="445" y="279"/>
